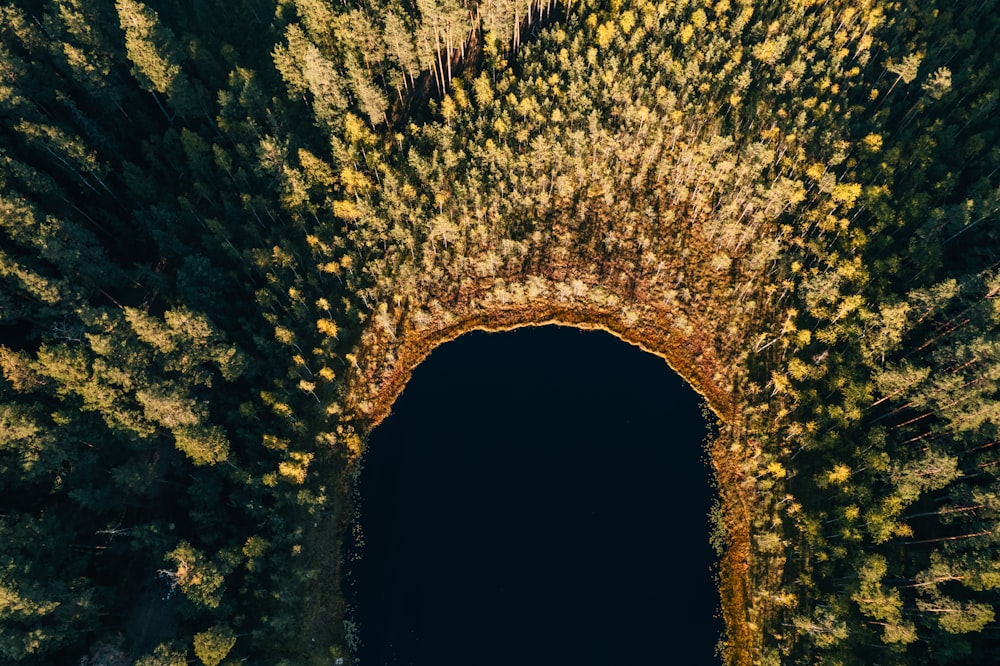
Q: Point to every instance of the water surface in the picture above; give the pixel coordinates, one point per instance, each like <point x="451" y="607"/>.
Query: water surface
<point x="537" y="497"/>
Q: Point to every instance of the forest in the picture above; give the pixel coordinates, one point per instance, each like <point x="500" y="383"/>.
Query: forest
<point x="230" y="228"/>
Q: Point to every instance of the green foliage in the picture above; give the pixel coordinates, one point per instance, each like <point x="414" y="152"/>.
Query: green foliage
<point x="214" y="645"/>
<point x="220" y="221"/>
<point x="164" y="655"/>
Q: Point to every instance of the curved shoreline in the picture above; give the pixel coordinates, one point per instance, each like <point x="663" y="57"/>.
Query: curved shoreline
<point x="692" y="359"/>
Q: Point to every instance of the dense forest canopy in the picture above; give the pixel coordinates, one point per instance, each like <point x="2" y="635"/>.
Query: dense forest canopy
<point x="228" y="230"/>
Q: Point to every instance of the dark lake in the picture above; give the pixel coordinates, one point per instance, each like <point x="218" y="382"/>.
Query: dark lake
<point x="537" y="497"/>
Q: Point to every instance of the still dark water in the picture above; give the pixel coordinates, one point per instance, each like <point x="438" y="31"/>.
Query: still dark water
<point x="537" y="497"/>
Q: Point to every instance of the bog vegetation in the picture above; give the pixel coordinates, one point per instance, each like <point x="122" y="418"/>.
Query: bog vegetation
<point x="228" y="229"/>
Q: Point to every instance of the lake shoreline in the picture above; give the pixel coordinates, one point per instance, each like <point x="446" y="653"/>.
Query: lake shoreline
<point x="388" y="363"/>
